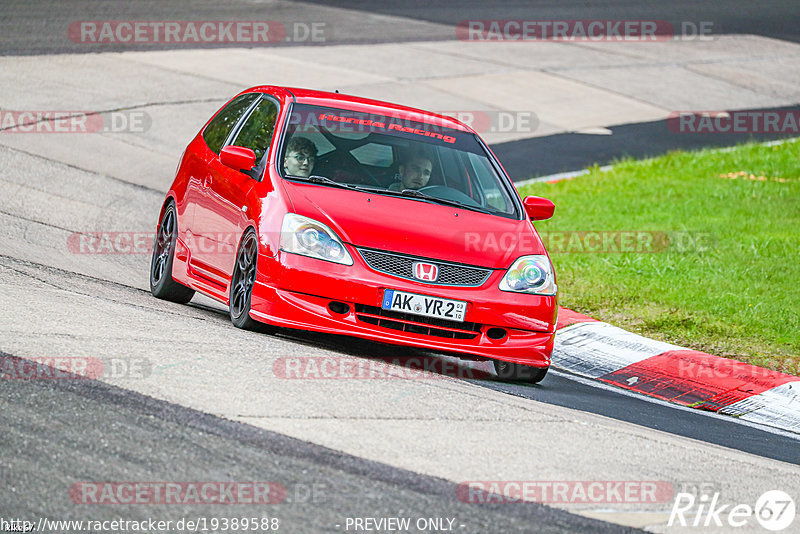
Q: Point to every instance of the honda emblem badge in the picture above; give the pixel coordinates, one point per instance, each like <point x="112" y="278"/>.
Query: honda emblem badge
<point x="427" y="272"/>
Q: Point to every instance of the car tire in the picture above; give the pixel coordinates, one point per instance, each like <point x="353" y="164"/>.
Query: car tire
<point x="514" y="372"/>
<point x="242" y="280"/>
<point x="162" y="285"/>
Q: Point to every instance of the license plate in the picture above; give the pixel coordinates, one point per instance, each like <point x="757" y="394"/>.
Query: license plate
<point x="423" y="305"/>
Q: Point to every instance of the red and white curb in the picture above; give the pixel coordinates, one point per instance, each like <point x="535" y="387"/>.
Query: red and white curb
<point x="606" y="353"/>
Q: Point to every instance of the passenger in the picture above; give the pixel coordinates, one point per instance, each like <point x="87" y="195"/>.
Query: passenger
<point x="413" y="173"/>
<point x="301" y="154"/>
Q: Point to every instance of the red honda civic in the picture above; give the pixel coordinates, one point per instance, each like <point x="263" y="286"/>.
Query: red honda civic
<point x="326" y="212"/>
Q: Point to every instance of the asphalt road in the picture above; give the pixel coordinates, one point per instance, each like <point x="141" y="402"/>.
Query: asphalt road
<point x="69" y="431"/>
<point x="210" y="406"/>
<point x="565" y="152"/>
<point x="562" y="389"/>
<point x="773" y="18"/>
<point x="40" y="26"/>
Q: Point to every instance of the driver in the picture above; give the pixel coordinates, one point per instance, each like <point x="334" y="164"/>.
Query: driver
<point x="301" y="154"/>
<point x="413" y="173"/>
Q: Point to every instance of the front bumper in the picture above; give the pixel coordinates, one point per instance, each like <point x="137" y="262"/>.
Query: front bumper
<point x="294" y="291"/>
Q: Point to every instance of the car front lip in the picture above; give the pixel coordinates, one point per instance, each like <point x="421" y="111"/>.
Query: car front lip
<point x="294" y="291"/>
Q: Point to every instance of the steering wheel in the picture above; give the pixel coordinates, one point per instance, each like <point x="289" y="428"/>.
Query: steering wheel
<point x="369" y="175"/>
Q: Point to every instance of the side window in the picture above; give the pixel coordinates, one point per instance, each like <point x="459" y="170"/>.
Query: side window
<point x="256" y="132"/>
<point x="495" y="196"/>
<point x="220" y="126"/>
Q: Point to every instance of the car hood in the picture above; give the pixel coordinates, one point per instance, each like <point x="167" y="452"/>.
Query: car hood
<point x="414" y="227"/>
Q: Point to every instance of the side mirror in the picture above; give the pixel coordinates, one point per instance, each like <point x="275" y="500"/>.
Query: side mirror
<point x="538" y="208"/>
<point x="238" y="158"/>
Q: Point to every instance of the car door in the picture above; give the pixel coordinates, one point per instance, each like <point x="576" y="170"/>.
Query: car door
<point x="215" y="135"/>
<point x="226" y="193"/>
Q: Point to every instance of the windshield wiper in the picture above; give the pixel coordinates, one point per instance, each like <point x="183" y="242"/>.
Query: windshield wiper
<point x="317" y="179"/>
<point x="414" y="193"/>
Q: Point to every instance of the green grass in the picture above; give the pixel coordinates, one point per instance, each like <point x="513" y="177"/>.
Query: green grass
<point x="733" y="292"/>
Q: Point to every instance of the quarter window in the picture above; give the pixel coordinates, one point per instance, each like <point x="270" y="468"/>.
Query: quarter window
<point x="221" y="125"/>
<point x="495" y="196"/>
<point x="256" y="132"/>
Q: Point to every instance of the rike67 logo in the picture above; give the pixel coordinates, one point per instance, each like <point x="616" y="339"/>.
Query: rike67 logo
<point x="774" y="510"/>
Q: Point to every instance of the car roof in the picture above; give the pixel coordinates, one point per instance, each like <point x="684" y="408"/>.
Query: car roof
<point x="366" y="105"/>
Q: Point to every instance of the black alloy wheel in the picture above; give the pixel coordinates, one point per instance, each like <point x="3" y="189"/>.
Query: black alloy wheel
<point x="161" y="283"/>
<point x="242" y="281"/>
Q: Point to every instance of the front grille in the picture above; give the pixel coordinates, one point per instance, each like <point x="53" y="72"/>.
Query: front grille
<point x="417" y="324"/>
<point x="450" y="274"/>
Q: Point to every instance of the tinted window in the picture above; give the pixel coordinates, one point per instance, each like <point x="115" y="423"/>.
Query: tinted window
<point x="489" y="188"/>
<point x="257" y="130"/>
<point x="374" y="154"/>
<point x="377" y="152"/>
<point x="218" y="129"/>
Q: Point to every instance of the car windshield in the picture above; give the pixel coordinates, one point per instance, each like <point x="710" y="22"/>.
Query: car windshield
<point x="393" y="156"/>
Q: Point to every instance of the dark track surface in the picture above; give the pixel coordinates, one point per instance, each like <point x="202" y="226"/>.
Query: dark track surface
<point x="542" y="156"/>
<point x="55" y="433"/>
<point x="563" y="391"/>
<point x="773" y="18"/>
<point x="68" y="431"/>
<point x="556" y="389"/>
<point x="40" y="26"/>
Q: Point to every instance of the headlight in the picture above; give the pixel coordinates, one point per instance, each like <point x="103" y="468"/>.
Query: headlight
<point x="530" y="274"/>
<point x="301" y="235"/>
